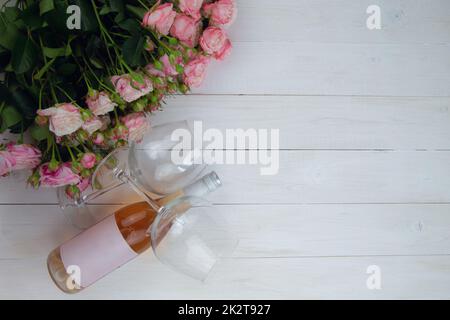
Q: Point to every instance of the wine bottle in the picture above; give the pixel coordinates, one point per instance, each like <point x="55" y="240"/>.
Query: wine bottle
<point x="114" y="241"/>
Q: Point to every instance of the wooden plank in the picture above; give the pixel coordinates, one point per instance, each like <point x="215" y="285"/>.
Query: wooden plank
<point x="265" y="278"/>
<point x="309" y="177"/>
<point x="320" y="122"/>
<point x="332" y="69"/>
<point x="315" y="122"/>
<point x="266" y="231"/>
<point x="341" y="177"/>
<point x="403" y="21"/>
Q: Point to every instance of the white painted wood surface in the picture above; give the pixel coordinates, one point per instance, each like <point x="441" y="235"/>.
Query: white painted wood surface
<point x="364" y="174"/>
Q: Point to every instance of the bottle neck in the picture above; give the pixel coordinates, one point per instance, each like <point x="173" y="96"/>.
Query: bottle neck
<point x="198" y="189"/>
<point x="204" y="186"/>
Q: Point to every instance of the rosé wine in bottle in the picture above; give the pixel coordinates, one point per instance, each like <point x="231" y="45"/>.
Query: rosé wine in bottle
<point x="114" y="241"/>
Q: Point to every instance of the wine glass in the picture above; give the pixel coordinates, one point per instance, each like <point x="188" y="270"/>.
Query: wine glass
<point x="147" y="167"/>
<point x="191" y="236"/>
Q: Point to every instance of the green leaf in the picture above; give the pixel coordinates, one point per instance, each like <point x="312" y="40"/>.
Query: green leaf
<point x="10" y="116"/>
<point x="137" y="11"/>
<point x="9" y="68"/>
<point x="119" y="18"/>
<point x="30" y="16"/>
<point x="9" y="34"/>
<point x="39" y="133"/>
<point x="130" y="25"/>
<point x="68" y="50"/>
<point x="54" y="52"/>
<point x="105" y="10"/>
<point x="58" y="52"/>
<point x="96" y="62"/>
<point x="24" y="55"/>
<point x="133" y="49"/>
<point x="46" y="6"/>
<point x="11" y="13"/>
<point x="88" y="20"/>
<point x="117" y="6"/>
<point x="57" y="18"/>
<point x="44" y="69"/>
<point x="24" y="103"/>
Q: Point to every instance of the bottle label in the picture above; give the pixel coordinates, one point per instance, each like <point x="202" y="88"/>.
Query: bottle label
<point x="96" y="252"/>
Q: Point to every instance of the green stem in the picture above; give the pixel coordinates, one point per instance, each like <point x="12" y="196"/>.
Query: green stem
<point x="86" y="150"/>
<point x="96" y="78"/>
<point x="117" y="117"/>
<point x="86" y="80"/>
<point x="78" y="149"/>
<point x="67" y="95"/>
<point x="71" y="153"/>
<point x="144" y="5"/>
<point x="53" y="149"/>
<point x="120" y="35"/>
<point x="52" y="90"/>
<point x="40" y="96"/>
<point x="58" y="154"/>
<point x="104" y="33"/>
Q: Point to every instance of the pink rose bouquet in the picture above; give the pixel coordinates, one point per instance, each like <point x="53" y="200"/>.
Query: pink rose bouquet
<point x="99" y="92"/>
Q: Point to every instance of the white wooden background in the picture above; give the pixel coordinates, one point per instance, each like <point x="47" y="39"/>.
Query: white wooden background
<point x="365" y="163"/>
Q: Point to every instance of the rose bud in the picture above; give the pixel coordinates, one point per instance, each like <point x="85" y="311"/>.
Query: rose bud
<point x="41" y="121"/>
<point x="98" y="138"/>
<point x="88" y="160"/>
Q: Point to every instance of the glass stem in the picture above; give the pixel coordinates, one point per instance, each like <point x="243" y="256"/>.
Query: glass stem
<point x="122" y="176"/>
<point x="94" y="195"/>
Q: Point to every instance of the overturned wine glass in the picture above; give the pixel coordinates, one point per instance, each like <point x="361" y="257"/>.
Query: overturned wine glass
<point x="191" y="236"/>
<point x="147" y="167"/>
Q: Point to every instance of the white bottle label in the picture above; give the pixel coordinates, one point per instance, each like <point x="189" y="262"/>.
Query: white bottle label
<point x="97" y="251"/>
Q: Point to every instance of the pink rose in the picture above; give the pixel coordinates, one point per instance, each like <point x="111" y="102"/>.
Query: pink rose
<point x="65" y="118"/>
<point x="100" y="103"/>
<point x="186" y="29"/>
<point x="84" y="184"/>
<point x="214" y="41"/>
<point x="160" y="19"/>
<point x="195" y="71"/>
<point x="119" y="133"/>
<point x="151" y="70"/>
<point x="88" y="160"/>
<point x="7" y="162"/>
<point x="25" y="156"/>
<point x="137" y="124"/>
<point x="191" y="8"/>
<point x="221" y="13"/>
<point x="62" y="176"/>
<point x="91" y="125"/>
<point x="131" y="90"/>
<point x="168" y="69"/>
<point x="74" y="191"/>
<point x="99" y="138"/>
